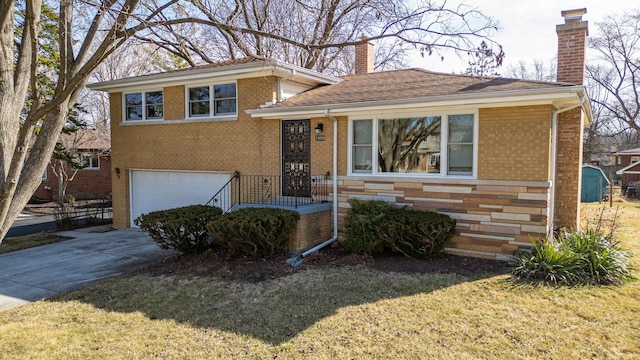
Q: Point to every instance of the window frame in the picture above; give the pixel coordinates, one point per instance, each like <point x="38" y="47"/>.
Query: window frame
<point x="143" y="104"/>
<point x="85" y="155"/>
<point x="444" y="145"/>
<point x="212" y="101"/>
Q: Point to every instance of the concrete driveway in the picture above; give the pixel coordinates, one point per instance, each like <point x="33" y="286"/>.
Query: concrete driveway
<point x="92" y="255"/>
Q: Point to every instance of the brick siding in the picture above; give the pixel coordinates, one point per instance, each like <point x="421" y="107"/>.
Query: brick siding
<point x="569" y="169"/>
<point x="87" y="183"/>
<point x="503" y="209"/>
<point x="514" y="143"/>
<point x="248" y="145"/>
<point x="311" y="229"/>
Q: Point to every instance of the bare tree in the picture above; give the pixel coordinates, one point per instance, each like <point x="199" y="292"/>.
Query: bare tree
<point x="485" y="61"/>
<point x="318" y="34"/>
<point x="538" y="70"/>
<point x="616" y="71"/>
<point x="89" y="32"/>
<point x="106" y="25"/>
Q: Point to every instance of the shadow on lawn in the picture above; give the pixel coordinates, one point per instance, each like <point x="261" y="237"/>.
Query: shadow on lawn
<point x="273" y="310"/>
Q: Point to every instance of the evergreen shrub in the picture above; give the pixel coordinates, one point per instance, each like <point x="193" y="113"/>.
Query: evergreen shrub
<point x="254" y="232"/>
<point x="182" y="229"/>
<point x="372" y="226"/>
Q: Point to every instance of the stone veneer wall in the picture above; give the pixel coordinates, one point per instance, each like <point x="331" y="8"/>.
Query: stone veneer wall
<point x="493" y="217"/>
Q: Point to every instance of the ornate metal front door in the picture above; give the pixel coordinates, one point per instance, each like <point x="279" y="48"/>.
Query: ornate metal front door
<point x="296" y="158"/>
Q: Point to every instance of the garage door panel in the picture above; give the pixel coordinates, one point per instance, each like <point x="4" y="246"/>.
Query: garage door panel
<point x="160" y="190"/>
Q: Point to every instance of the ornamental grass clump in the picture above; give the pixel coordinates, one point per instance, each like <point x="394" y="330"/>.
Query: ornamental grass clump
<point x="254" y="232"/>
<point x="182" y="229"/>
<point x="575" y="258"/>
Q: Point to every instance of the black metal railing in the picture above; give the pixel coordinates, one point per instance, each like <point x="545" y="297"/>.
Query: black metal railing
<point x="224" y="198"/>
<point x="266" y="189"/>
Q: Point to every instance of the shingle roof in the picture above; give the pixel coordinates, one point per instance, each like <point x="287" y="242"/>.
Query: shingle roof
<point x="245" y="60"/>
<point x="406" y="84"/>
<point x="86" y="139"/>
<point x="229" y="67"/>
<point x="635" y="151"/>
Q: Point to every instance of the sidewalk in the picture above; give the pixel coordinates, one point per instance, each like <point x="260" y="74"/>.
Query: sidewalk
<point x="92" y="255"/>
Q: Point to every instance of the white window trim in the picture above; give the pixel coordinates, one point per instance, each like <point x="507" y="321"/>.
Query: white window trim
<point x="144" y="106"/>
<point x="211" y="116"/>
<point x="444" y="150"/>
<point x="90" y="155"/>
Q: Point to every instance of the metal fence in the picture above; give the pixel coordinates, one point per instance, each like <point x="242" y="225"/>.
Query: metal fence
<point x="266" y="189"/>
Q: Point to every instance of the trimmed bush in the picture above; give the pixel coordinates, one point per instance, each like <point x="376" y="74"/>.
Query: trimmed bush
<point x="182" y="229"/>
<point x="372" y="226"/>
<point x="361" y="226"/>
<point x="575" y="258"/>
<point x="418" y="234"/>
<point x="254" y="232"/>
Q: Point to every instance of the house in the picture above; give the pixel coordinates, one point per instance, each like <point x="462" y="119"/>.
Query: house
<point x="93" y="181"/>
<point x="627" y="165"/>
<point x="501" y="156"/>
<point x="594" y="184"/>
<point x="625" y="158"/>
<point x="630" y="173"/>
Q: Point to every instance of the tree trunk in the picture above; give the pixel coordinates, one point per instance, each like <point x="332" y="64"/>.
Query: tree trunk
<point x="30" y="176"/>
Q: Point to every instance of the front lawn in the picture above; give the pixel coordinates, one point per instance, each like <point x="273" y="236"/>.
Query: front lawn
<point x="333" y="312"/>
<point x="28" y="241"/>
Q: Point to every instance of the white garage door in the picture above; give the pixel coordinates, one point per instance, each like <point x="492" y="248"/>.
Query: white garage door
<point x="161" y="190"/>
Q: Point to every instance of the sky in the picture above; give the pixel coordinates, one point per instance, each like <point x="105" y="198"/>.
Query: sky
<point x="529" y="28"/>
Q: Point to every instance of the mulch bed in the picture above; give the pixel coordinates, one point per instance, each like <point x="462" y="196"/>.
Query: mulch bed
<point x="211" y="263"/>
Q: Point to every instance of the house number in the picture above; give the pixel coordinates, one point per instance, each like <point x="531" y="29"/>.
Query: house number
<point x="320" y="137"/>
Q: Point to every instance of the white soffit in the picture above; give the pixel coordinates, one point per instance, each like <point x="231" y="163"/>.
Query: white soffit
<point x="553" y="97"/>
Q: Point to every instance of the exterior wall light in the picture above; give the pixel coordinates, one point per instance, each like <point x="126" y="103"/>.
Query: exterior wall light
<point x="319" y="128"/>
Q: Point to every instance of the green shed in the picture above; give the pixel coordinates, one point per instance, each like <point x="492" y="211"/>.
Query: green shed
<point x="594" y="184"/>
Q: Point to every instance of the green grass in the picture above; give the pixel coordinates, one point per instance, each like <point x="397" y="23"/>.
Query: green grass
<point x="28" y="241"/>
<point x="350" y="312"/>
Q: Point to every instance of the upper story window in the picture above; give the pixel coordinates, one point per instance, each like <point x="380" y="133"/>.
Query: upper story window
<point x="635" y="159"/>
<point x="90" y="161"/>
<point x="144" y="106"/>
<point x="428" y="145"/>
<point x="212" y="100"/>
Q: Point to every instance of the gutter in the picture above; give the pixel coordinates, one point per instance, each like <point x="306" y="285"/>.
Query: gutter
<point x="297" y="260"/>
<point x="530" y="96"/>
<point x="554" y="154"/>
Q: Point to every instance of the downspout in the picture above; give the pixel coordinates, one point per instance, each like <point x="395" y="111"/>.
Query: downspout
<point x="297" y="260"/>
<point x="554" y="154"/>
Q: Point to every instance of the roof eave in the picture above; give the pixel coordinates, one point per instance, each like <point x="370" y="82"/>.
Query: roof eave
<point x="554" y="96"/>
<point x="260" y="68"/>
<point x="624" y="169"/>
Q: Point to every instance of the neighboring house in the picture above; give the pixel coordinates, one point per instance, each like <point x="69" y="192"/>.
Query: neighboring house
<point x="630" y="173"/>
<point x="501" y="156"/>
<point x="625" y="158"/>
<point x="594" y="184"/>
<point x="93" y="181"/>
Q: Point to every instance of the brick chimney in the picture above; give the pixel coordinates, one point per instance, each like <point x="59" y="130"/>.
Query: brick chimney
<point x="572" y="36"/>
<point x="572" y="39"/>
<point x="364" y="56"/>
